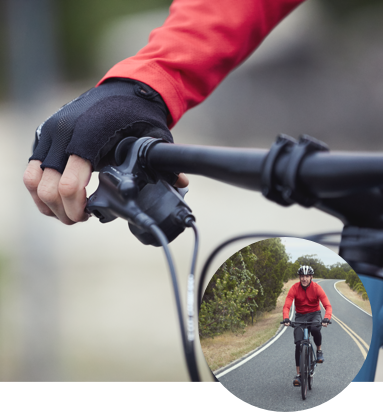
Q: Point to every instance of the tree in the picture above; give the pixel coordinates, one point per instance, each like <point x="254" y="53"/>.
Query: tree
<point x="229" y="298"/>
<point x="270" y="268"/>
<point x="258" y="271"/>
<point x="339" y="270"/>
<point x="291" y="271"/>
<point x="352" y="279"/>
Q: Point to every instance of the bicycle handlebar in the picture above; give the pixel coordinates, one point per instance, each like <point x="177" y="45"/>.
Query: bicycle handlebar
<point x="323" y="174"/>
<point x="345" y="185"/>
<point x="239" y="167"/>
<point x="292" y="324"/>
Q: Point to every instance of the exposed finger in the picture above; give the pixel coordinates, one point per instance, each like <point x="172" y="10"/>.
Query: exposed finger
<point x="32" y="177"/>
<point x="72" y="187"/>
<point x="48" y="193"/>
<point x="182" y="181"/>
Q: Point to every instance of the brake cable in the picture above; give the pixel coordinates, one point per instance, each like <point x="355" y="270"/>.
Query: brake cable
<point x="187" y="340"/>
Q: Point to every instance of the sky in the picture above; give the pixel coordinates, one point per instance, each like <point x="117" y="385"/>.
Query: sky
<point x="297" y="247"/>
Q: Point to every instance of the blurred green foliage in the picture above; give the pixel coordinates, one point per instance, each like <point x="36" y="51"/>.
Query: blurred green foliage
<point x="79" y="27"/>
<point x="3" y="49"/>
<point x="4" y="266"/>
<point x="342" y="9"/>
<point x="81" y="24"/>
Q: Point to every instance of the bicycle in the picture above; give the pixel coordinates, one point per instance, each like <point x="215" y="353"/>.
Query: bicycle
<point x="138" y="188"/>
<point x="307" y="358"/>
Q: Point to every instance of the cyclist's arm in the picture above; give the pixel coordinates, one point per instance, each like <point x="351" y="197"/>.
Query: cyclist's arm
<point x="186" y="58"/>
<point x="325" y="302"/>
<point x="198" y="45"/>
<point x="288" y="302"/>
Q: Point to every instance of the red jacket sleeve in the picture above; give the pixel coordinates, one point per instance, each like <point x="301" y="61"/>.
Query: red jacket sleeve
<point x="325" y="302"/>
<point x="289" y="301"/>
<point x="199" y="44"/>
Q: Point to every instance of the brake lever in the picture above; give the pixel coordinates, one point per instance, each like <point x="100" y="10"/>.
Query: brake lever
<point x="141" y="196"/>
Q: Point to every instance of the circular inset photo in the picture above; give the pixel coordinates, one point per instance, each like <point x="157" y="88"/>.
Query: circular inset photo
<point x="285" y="324"/>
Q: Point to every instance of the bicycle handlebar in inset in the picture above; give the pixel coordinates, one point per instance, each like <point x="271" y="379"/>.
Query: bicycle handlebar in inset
<point x="292" y="324"/>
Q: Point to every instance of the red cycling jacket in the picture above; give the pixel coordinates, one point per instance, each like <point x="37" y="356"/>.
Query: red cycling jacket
<point x="198" y="45"/>
<point x="307" y="301"/>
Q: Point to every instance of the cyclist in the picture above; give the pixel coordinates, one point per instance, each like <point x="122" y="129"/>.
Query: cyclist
<point x="145" y="95"/>
<point x="307" y="295"/>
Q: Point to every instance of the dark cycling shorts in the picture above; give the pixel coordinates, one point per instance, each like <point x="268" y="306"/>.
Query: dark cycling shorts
<point x="306" y="317"/>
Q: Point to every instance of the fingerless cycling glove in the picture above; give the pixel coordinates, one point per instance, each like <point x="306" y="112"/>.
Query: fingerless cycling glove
<point x="92" y="125"/>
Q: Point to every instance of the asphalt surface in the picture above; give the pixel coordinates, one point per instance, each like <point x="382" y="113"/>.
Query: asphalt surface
<point x="265" y="380"/>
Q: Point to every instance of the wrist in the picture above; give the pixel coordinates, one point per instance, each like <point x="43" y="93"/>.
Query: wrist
<point x="140" y="89"/>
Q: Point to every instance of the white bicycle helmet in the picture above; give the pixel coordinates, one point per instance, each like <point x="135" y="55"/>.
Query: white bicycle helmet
<point x="306" y="270"/>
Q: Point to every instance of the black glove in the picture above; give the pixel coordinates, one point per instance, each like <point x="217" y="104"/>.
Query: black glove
<point x="286" y="320"/>
<point x="326" y="320"/>
<point x="94" y="123"/>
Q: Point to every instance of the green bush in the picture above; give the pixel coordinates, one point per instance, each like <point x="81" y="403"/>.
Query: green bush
<point x="352" y="279"/>
<point x="270" y="268"/>
<point x="228" y="308"/>
<point x="229" y="298"/>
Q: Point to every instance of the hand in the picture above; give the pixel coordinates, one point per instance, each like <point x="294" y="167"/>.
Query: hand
<point x="61" y="196"/>
<point x="286" y="322"/>
<point x="325" y="322"/>
<point x="64" y="196"/>
<point x="89" y="128"/>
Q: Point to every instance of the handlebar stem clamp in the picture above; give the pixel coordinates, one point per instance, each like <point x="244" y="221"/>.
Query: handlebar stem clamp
<point x="142" y="157"/>
<point x="286" y="191"/>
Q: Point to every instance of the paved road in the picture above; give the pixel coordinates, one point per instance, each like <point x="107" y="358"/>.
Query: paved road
<point x="265" y="380"/>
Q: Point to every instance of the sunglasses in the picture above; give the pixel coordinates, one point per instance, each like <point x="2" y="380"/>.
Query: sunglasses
<point x="304" y="276"/>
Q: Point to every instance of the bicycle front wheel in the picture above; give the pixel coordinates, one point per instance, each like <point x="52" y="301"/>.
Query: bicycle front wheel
<point x="304" y="370"/>
<point x="311" y="371"/>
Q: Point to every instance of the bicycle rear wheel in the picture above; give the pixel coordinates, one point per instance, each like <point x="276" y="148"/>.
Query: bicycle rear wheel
<point x="304" y="370"/>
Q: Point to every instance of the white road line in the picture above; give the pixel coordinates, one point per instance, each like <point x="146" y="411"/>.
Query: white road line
<point x="237" y="365"/>
<point x="344" y="297"/>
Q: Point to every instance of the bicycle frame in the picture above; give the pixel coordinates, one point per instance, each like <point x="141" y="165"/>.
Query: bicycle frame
<point x="306" y="341"/>
<point x="306" y="381"/>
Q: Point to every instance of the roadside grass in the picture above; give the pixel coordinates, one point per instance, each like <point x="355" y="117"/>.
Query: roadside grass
<point x="226" y="348"/>
<point x="354" y="296"/>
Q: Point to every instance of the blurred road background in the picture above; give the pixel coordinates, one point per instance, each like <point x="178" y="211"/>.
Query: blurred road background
<point x="88" y="302"/>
